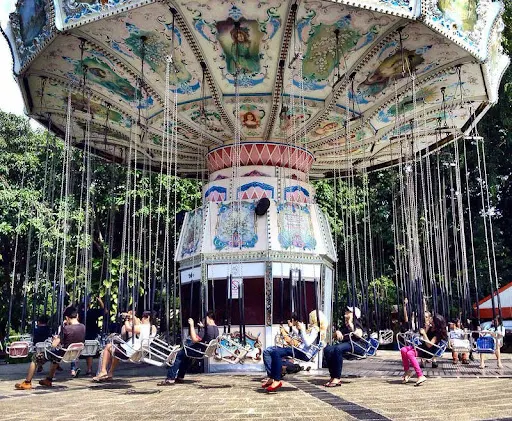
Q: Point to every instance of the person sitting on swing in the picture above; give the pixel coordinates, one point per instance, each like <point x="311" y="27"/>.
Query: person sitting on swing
<point x="497" y="330"/>
<point x="41" y="333"/>
<point x="72" y="332"/>
<point x="142" y="331"/>
<point x="334" y="354"/>
<point x="207" y="332"/>
<point x="435" y="334"/>
<point x="298" y="348"/>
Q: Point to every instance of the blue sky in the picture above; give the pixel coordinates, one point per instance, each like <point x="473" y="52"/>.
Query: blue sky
<point x="10" y="99"/>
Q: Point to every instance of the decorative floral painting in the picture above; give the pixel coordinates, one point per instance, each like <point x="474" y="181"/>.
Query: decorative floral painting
<point x="463" y="13"/>
<point x="236" y="226"/>
<point x="229" y="350"/>
<point x="193" y="232"/>
<point x="295" y="227"/>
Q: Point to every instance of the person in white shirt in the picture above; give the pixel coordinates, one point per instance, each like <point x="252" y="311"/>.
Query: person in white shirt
<point x="143" y="331"/>
<point x="302" y="348"/>
<point x="497" y="330"/>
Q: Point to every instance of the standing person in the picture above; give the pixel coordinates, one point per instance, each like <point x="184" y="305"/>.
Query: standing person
<point x="72" y="332"/>
<point x="207" y="332"/>
<point x="334" y="353"/>
<point x="497" y="330"/>
<point x="92" y="329"/>
<point x="436" y="333"/>
<point x="301" y="349"/>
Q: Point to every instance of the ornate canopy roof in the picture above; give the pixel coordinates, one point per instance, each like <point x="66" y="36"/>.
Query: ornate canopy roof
<point x="331" y="77"/>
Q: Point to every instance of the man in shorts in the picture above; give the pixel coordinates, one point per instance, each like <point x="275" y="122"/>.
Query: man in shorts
<point x="72" y="332"/>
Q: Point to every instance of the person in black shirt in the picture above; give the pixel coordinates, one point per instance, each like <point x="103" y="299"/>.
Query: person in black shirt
<point x="72" y="332"/>
<point x="334" y="353"/>
<point x="208" y="332"/>
<point x="92" y="330"/>
<point x="41" y="333"/>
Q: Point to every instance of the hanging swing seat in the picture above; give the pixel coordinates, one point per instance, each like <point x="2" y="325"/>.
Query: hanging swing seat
<point x="485" y="344"/>
<point x="405" y="338"/>
<point x="361" y="347"/>
<point x="206" y="350"/>
<point x="91" y="348"/>
<point x="385" y="337"/>
<point x="71" y="353"/>
<point x="19" y="349"/>
<point x="294" y="342"/>
<point x="126" y="350"/>
<point x="157" y="352"/>
<point x="434" y="351"/>
<point x="308" y="356"/>
<point x="459" y="341"/>
<point x="40" y="347"/>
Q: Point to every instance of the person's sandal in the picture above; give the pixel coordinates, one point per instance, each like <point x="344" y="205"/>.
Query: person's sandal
<point x="167" y="382"/>
<point x="101" y="378"/>
<point x="407" y="376"/>
<point x="333" y="384"/>
<point x="420" y="381"/>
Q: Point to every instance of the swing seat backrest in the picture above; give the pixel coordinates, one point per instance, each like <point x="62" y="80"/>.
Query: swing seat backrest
<point x="416" y="341"/>
<point x="19" y="349"/>
<point x="72" y="353"/>
<point x="172" y="356"/>
<point x="211" y="348"/>
<point x="91" y="348"/>
<point x="40" y="347"/>
<point x="486" y="345"/>
<point x="440" y="348"/>
<point x="314" y="350"/>
<point x="385" y="337"/>
<point x="373" y="345"/>
<point x="156" y="351"/>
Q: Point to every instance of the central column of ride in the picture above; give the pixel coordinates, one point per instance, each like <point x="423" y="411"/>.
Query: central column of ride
<point x="257" y="250"/>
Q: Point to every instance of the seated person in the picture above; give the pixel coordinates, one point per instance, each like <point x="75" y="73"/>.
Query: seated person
<point x="334" y="354"/>
<point x="497" y="330"/>
<point x="118" y="350"/>
<point x="435" y="334"/>
<point x="302" y="349"/>
<point x="208" y="332"/>
<point x="72" y="332"/>
<point x="41" y="333"/>
<point x="458" y="340"/>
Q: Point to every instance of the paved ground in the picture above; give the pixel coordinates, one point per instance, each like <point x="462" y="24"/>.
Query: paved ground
<point x="371" y="390"/>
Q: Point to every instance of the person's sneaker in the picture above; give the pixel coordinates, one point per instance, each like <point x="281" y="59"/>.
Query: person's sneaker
<point x="420" y="381"/>
<point x="24" y="385"/>
<point x="46" y="382"/>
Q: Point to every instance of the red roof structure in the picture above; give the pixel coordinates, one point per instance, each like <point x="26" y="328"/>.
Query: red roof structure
<point x="485" y="304"/>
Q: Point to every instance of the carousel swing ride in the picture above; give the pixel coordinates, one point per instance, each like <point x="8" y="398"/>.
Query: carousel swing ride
<point x="258" y="100"/>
